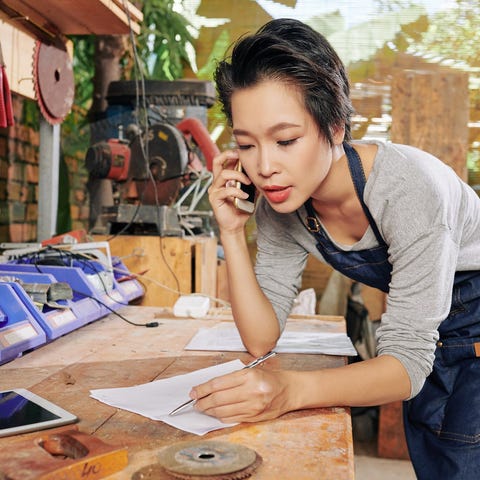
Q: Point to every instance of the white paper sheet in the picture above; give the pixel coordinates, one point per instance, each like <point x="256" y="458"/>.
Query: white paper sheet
<point x="225" y="337"/>
<point x="157" y="399"/>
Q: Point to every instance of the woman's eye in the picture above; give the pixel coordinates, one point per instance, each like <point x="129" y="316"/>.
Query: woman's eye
<point x="244" y="147"/>
<point x="285" y="143"/>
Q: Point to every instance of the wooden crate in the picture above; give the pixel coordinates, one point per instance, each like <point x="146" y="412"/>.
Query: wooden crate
<point x="168" y="265"/>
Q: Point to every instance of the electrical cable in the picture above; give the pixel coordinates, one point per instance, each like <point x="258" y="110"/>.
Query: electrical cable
<point x="66" y="257"/>
<point x="82" y="260"/>
<point x="159" y="284"/>
<point x="140" y="94"/>
<point x="148" y="324"/>
<point x="137" y="73"/>
<point x="65" y="254"/>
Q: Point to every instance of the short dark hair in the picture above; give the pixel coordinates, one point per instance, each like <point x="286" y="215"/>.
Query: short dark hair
<point x="290" y="51"/>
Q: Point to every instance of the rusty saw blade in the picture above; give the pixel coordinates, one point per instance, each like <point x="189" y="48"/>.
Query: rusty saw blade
<point x="53" y="81"/>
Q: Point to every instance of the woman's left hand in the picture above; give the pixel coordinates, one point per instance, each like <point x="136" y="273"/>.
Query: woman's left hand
<point x="249" y="395"/>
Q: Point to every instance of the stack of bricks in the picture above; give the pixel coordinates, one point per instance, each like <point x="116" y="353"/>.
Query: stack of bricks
<point x="19" y="149"/>
<point x="19" y="172"/>
<point x="78" y="197"/>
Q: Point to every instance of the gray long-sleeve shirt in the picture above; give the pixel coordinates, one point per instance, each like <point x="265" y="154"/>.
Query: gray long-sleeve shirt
<point x="430" y="221"/>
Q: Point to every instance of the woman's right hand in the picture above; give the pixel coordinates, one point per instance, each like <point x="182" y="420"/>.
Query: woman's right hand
<point x="223" y="191"/>
<point x="247" y="395"/>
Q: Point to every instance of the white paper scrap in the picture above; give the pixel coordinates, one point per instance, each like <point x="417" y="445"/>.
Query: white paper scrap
<point x="225" y="337"/>
<point x="157" y="399"/>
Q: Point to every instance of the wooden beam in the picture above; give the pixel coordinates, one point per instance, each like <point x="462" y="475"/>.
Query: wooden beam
<point x="430" y="110"/>
<point x="48" y="19"/>
<point x="17" y="48"/>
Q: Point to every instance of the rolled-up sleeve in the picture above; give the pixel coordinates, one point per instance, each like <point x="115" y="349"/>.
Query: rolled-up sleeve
<point x="419" y="300"/>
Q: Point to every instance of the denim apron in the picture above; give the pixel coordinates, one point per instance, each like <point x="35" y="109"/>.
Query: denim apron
<point x="442" y="423"/>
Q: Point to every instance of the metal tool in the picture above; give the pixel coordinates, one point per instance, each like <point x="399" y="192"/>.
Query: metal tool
<point x="256" y="362"/>
<point x="53" y="81"/>
<point x="61" y="453"/>
<point x="164" y="162"/>
<point x="209" y="460"/>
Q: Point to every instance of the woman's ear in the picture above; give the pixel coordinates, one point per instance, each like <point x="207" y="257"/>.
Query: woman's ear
<point x="338" y="134"/>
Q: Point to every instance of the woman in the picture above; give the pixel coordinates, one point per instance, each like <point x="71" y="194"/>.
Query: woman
<point x="389" y="216"/>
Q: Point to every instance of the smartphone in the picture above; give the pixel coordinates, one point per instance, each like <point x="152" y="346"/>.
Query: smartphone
<point x="247" y="205"/>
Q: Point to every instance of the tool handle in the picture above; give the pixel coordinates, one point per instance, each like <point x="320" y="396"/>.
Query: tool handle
<point x="7" y="96"/>
<point x="3" y="111"/>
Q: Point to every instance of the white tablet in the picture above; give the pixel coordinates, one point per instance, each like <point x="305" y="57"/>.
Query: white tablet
<point x="22" y="411"/>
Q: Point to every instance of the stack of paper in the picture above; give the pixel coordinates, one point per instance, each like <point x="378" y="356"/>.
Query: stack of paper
<point x="157" y="399"/>
<point x="225" y="337"/>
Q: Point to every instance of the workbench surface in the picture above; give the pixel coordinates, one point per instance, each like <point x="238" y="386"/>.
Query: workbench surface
<point x="310" y="444"/>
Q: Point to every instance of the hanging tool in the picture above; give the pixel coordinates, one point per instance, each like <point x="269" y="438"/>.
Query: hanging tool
<point x="53" y="81"/>
<point x="6" y="110"/>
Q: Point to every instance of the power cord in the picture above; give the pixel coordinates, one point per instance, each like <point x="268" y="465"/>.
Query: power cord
<point x="140" y="277"/>
<point x="140" y="95"/>
<point x="65" y="254"/>
<point x="148" y="324"/>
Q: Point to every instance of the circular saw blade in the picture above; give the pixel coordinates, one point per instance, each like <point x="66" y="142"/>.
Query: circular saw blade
<point x="209" y="459"/>
<point x="53" y="81"/>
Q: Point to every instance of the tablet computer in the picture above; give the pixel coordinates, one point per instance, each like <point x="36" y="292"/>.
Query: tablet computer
<point x="22" y="411"/>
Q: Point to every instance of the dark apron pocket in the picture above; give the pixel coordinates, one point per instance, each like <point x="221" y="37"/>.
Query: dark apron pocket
<point x="449" y="402"/>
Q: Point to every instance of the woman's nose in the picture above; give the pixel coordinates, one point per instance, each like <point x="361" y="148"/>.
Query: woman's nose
<point x="266" y="162"/>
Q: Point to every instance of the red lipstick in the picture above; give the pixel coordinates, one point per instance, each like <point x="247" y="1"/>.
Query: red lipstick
<point x="277" y="194"/>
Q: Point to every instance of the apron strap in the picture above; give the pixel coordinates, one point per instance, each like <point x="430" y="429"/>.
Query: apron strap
<point x="359" y="180"/>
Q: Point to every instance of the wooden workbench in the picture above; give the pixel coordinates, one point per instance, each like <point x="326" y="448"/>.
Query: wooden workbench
<point x="304" y="445"/>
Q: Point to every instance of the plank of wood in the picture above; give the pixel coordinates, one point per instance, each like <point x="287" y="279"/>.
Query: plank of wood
<point x="430" y="110"/>
<point x="190" y="261"/>
<point x="166" y="261"/>
<point x="205" y="265"/>
<point x="74" y="17"/>
<point x="135" y="14"/>
<point x="307" y="445"/>
<point x="19" y="68"/>
<point x="391" y="435"/>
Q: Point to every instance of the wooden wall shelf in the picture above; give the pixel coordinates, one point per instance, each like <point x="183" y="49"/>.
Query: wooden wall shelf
<point x="48" y="18"/>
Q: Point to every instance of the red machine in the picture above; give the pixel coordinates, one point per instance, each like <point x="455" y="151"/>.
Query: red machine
<point x="152" y="169"/>
<point x="160" y="162"/>
<point x="109" y="159"/>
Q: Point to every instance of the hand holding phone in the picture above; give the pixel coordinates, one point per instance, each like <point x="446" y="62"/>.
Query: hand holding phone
<point x="247" y="205"/>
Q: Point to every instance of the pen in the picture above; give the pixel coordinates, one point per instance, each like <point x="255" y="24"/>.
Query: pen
<point x="256" y="362"/>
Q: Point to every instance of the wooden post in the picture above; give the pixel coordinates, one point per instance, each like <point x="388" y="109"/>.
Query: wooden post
<point x="430" y="110"/>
